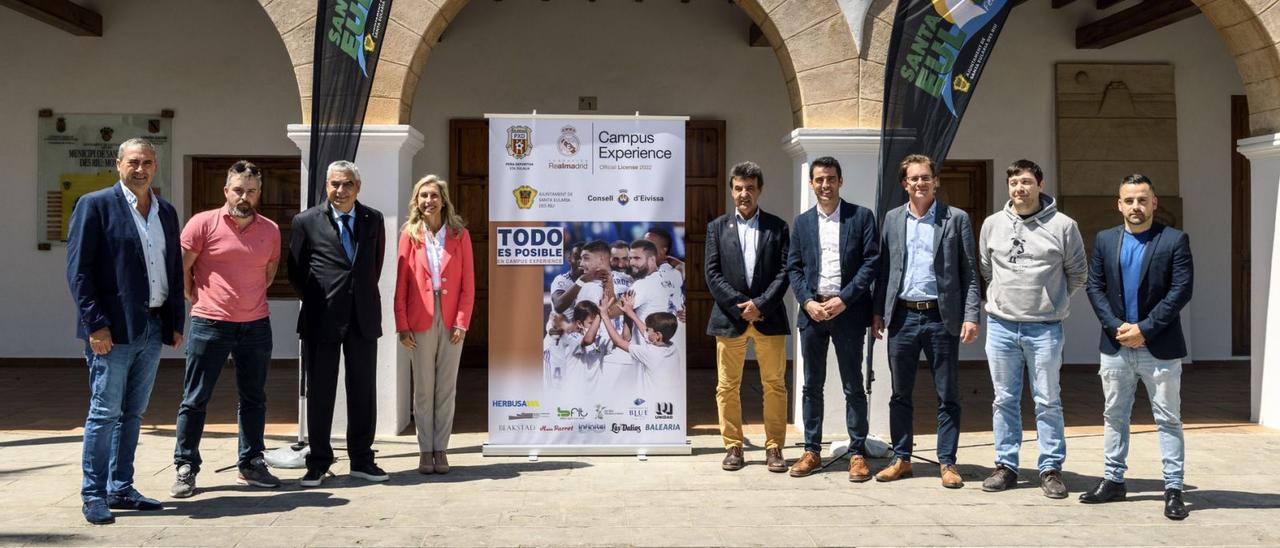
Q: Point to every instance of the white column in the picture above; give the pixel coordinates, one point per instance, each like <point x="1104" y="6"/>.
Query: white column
<point x="858" y="151"/>
<point x="385" y="158"/>
<point x="1263" y="153"/>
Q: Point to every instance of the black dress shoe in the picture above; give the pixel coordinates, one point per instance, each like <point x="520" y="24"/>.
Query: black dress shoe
<point x="1105" y="491"/>
<point x="1173" y="507"/>
<point x="733" y="459"/>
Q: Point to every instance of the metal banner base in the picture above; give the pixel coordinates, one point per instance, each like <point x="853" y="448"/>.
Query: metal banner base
<point x="491" y="450"/>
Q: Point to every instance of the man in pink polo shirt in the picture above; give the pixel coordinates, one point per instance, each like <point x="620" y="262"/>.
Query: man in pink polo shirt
<point x="229" y="257"/>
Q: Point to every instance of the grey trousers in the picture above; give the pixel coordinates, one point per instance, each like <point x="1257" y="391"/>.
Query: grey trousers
<point x="435" y="383"/>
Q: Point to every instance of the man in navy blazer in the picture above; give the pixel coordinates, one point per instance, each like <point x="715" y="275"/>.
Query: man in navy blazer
<point x="832" y="261"/>
<point x="1140" y="278"/>
<point x="124" y="269"/>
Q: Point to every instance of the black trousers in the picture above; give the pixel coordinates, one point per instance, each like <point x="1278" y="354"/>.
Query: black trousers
<point x="320" y="358"/>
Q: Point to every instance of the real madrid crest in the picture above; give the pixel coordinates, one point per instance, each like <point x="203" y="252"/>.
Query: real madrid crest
<point x="568" y="143"/>
<point x="524" y="194"/>
<point x="519" y="141"/>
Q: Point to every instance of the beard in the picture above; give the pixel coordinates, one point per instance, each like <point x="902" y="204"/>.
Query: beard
<point x="242" y="211"/>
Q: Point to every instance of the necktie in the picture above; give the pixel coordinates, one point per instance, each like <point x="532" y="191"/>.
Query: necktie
<point x="348" y="244"/>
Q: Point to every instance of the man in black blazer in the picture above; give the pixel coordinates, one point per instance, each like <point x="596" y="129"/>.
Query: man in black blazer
<point x="1140" y="278"/>
<point x="124" y="269"/>
<point x="335" y="260"/>
<point x="928" y="290"/>
<point x="832" y="261"/>
<point x="746" y="271"/>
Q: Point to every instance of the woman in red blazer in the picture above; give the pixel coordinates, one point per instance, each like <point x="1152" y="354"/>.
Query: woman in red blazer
<point x="435" y="291"/>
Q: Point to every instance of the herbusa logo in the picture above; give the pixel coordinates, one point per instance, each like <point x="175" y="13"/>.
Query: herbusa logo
<point x="516" y="403"/>
<point x="347" y="29"/>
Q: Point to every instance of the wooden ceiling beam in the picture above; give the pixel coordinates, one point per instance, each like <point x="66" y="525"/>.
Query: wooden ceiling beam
<point x="1133" y="22"/>
<point x="64" y="14"/>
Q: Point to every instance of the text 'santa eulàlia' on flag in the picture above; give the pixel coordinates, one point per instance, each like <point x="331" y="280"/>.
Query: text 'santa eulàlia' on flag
<point x="348" y="39"/>
<point x="936" y="54"/>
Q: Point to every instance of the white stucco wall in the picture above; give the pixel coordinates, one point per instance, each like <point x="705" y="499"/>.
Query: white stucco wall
<point x="220" y="65"/>
<point x="223" y="69"/>
<point x="1012" y="117"/>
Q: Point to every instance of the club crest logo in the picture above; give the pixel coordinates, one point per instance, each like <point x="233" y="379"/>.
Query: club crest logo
<point x="524" y="196"/>
<point x="519" y="142"/>
<point x="568" y="142"/>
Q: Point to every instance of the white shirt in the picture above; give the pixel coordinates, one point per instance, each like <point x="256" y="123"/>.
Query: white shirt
<point x="659" y="366"/>
<point x="151" y="234"/>
<point x="829" y="255"/>
<point x="583" y="365"/>
<point x="748" y="238"/>
<point x="652" y="295"/>
<point x="592" y="291"/>
<point x="673" y="281"/>
<point x="434" y="246"/>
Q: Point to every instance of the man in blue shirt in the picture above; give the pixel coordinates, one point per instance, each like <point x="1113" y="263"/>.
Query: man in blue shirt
<point x="1139" y="281"/>
<point x="926" y="293"/>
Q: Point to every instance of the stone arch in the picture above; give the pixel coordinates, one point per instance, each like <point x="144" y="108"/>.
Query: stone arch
<point x="1251" y="30"/>
<point x="820" y="63"/>
<point x="831" y="81"/>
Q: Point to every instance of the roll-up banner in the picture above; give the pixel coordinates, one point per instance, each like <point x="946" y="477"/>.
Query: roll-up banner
<point x="936" y="54"/>
<point x="586" y="325"/>
<point x="348" y="42"/>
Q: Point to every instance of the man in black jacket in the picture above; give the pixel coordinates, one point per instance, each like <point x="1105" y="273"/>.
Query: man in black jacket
<point x="1140" y="279"/>
<point x="746" y="259"/>
<point x="335" y="260"/>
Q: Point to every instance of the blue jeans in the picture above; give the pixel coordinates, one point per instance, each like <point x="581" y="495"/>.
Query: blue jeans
<point x="910" y="332"/>
<point x="1120" y="375"/>
<point x="208" y="344"/>
<point x="1037" y="348"/>
<point x="813" y="346"/>
<point x="120" y="384"/>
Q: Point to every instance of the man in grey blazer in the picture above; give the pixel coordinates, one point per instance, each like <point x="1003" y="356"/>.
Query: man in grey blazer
<point x="927" y="288"/>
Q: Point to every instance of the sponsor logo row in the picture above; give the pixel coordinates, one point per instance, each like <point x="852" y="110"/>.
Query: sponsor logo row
<point x="592" y="427"/>
<point x="639" y="410"/>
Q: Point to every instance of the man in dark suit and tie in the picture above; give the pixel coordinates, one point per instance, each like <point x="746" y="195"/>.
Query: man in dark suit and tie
<point x="1140" y="279"/>
<point x="746" y="271"/>
<point x="335" y="260"/>
<point x="832" y="261"/>
<point x="928" y="290"/>
<point x="124" y="268"/>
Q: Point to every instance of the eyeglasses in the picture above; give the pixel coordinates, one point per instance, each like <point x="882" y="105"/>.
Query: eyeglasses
<point x="243" y="166"/>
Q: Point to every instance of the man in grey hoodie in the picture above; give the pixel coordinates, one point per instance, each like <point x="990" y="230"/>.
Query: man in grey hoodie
<point x="1033" y="259"/>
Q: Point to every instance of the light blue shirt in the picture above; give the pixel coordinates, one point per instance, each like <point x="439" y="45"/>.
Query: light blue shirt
<point x="748" y="237"/>
<point x="918" y="280"/>
<point x="151" y="234"/>
<point x="1133" y="249"/>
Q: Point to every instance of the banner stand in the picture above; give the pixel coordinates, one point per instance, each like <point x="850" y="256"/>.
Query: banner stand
<point x="587" y="329"/>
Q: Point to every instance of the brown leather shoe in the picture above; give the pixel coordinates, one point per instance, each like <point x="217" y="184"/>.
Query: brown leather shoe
<point x="773" y="459"/>
<point x="898" y="469"/>
<point x="858" y="469"/>
<point x="951" y="477"/>
<point x="733" y="459"/>
<point x="809" y="463"/>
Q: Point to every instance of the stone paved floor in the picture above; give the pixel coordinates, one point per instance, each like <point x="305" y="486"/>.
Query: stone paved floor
<point x="1234" y="493"/>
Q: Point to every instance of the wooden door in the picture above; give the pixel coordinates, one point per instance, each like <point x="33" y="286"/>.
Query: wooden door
<point x="1240" y="219"/>
<point x="705" y="199"/>
<point x="965" y="184"/>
